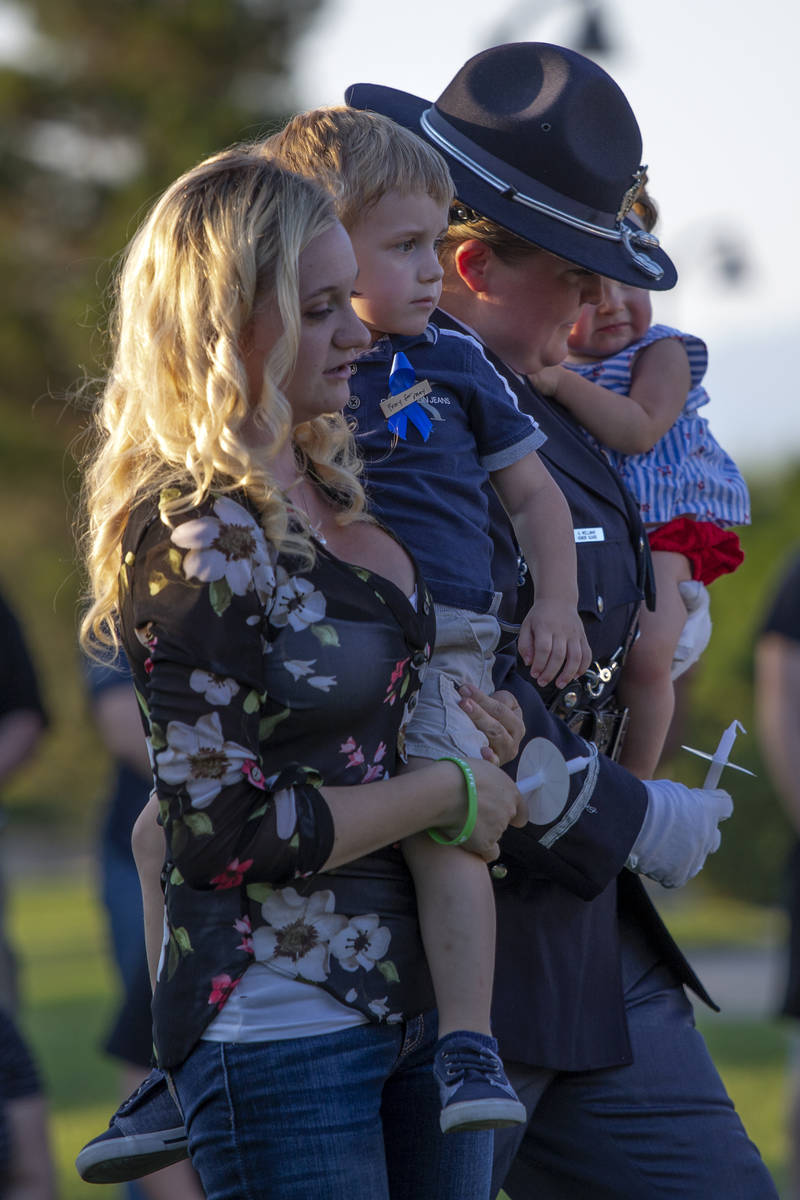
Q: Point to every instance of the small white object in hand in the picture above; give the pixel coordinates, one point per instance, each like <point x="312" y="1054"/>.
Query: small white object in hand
<point x="720" y="758"/>
<point x="543" y="777"/>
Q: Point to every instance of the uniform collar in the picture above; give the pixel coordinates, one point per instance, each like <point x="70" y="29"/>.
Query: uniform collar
<point x="390" y="344"/>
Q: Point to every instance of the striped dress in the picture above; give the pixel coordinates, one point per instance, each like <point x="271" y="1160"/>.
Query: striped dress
<point x="687" y="472"/>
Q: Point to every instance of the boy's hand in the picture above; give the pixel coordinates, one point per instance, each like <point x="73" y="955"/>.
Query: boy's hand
<point x="553" y="644"/>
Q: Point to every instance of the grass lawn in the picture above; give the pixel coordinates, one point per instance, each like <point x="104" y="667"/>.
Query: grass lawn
<point x="751" y="1057"/>
<point x="69" y="998"/>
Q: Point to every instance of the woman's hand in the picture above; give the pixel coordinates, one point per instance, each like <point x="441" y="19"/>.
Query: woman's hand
<point x="499" y="717"/>
<point x="500" y="804"/>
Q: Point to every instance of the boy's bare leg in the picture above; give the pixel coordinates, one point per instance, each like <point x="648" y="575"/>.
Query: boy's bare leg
<point x="646" y="685"/>
<point x="457" y="918"/>
<point x="149" y="847"/>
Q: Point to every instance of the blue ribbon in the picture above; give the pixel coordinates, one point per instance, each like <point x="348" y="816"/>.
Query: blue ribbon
<point x="402" y="377"/>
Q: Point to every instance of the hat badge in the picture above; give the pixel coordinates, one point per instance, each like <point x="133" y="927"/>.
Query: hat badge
<point x="632" y="194"/>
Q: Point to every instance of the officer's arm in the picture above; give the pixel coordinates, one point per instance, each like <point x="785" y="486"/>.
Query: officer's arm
<point x="585" y="845"/>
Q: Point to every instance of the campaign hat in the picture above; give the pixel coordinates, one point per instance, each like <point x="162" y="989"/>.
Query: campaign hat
<point x="541" y="140"/>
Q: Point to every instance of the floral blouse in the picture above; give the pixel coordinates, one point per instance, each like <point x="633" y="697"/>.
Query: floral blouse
<point x="258" y="683"/>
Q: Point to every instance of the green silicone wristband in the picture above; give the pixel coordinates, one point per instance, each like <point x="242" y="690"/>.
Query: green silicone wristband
<point x="472" y="805"/>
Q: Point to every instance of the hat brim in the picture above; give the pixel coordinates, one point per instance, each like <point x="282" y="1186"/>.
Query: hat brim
<point x="601" y="255"/>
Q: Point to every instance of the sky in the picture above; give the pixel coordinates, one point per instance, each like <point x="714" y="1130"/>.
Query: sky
<point x="716" y="90"/>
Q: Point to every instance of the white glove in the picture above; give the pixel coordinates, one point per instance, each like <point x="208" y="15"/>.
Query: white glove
<point x="696" y="633"/>
<point x="679" y="831"/>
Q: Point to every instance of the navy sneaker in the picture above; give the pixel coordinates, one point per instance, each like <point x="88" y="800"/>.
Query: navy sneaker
<point x="145" y="1134"/>
<point x="473" y="1086"/>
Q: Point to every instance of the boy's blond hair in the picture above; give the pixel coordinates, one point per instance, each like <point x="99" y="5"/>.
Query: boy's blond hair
<point x="360" y="157"/>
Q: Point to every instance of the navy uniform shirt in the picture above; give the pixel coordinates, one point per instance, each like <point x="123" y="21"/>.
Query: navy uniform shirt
<point x="562" y="888"/>
<point x="434" y="493"/>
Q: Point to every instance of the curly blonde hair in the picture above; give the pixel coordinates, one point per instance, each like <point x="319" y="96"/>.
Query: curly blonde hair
<point x="222" y="242"/>
<point x="360" y="156"/>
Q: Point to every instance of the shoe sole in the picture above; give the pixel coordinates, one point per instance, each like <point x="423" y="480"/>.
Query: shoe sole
<point x="152" y="1152"/>
<point x="482" y="1114"/>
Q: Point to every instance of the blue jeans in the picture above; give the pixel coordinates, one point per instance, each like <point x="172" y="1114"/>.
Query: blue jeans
<point x="660" y="1127"/>
<point x="344" y="1115"/>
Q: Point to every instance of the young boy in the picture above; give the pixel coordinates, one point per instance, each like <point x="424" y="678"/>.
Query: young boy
<point x="432" y="432"/>
<point x="434" y="427"/>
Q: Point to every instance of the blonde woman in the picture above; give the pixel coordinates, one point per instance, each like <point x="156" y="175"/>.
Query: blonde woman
<point x="276" y="637"/>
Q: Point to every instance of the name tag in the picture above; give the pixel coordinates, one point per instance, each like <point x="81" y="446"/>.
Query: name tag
<point x="597" y="534"/>
<point x="393" y="404"/>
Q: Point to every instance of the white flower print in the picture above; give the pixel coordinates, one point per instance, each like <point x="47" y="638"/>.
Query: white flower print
<point x="323" y="682"/>
<point x="164" y="943"/>
<point x="215" y="688"/>
<point x="297" y="603"/>
<point x="285" y="813"/>
<point x="199" y="756"/>
<point x="381" y="1010"/>
<point x="297" y="941"/>
<point x="298" y="667"/>
<point x="361" y="943"/>
<point x="230" y="546"/>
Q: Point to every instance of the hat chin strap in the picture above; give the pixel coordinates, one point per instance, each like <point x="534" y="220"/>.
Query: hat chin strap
<point x="633" y="241"/>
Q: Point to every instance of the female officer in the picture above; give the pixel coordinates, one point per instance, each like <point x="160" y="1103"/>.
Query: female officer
<point x="590" y="1012"/>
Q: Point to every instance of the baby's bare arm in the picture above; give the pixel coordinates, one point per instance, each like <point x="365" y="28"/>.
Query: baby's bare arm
<point x="632" y="424"/>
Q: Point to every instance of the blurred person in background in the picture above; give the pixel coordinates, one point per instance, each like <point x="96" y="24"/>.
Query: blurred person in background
<point x="22" y="723"/>
<point x="26" y="1169"/>
<point x="777" y="680"/>
<point x="130" y="1040"/>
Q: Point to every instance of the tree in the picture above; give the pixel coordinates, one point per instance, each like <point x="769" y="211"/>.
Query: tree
<point x="105" y="104"/>
<point x="757" y="838"/>
<point x="110" y="101"/>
